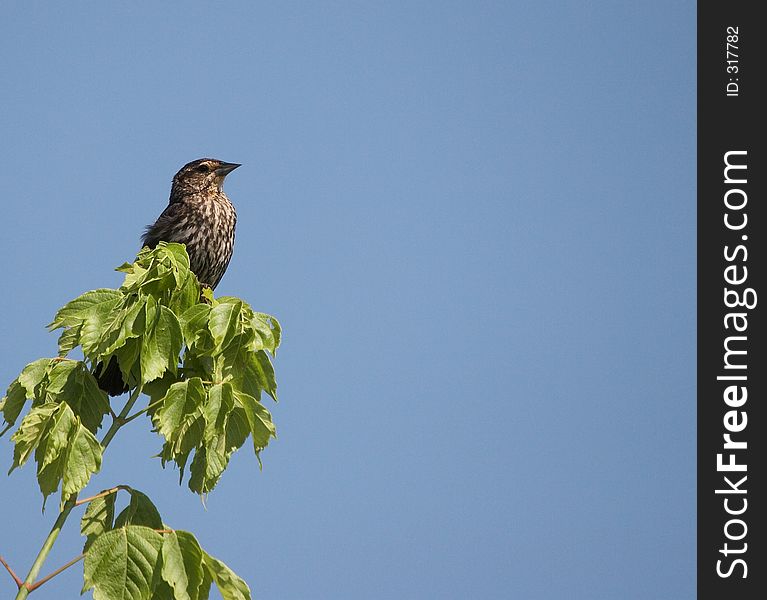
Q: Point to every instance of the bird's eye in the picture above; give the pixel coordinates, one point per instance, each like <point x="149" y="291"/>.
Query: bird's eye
<point x="204" y="168"/>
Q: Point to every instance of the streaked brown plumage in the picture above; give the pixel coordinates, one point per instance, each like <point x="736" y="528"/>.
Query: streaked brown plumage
<point x="200" y="215"/>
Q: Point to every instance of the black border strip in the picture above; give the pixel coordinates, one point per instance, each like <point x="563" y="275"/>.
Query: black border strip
<point x="732" y="228"/>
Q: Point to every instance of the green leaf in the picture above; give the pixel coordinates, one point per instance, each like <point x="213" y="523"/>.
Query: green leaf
<point x="53" y="442"/>
<point x="59" y="374"/>
<point x="94" y="313"/>
<point x="265" y="328"/>
<point x="183" y="399"/>
<point x="182" y="565"/>
<point x="211" y="424"/>
<point x="269" y="329"/>
<point x="259" y="419"/>
<point x="65" y="451"/>
<point x="226" y="428"/>
<point x="224" y="323"/>
<point x="33" y="375"/>
<point x="71" y="382"/>
<point x="237" y="428"/>
<point x="164" y="274"/>
<point x="59" y="380"/>
<point x="92" y="404"/>
<point x="81" y="308"/>
<point x="82" y="460"/>
<point x="161" y="345"/>
<point x="121" y="564"/>
<point x="218" y="404"/>
<point x="96" y="330"/>
<point x="128" y="358"/>
<point x="68" y="454"/>
<point x="140" y="511"/>
<point x="69" y="340"/>
<point x="188" y="438"/>
<point x="207" y="582"/>
<point x="263" y="366"/>
<point x="241" y="367"/>
<point x="30" y="432"/>
<point x="179" y="261"/>
<point x="149" y="276"/>
<point x="187" y="292"/>
<point x="13" y="402"/>
<point x="130" y="323"/>
<point x="179" y="419"/>
<point x="160" y="588"/>
<point x="229" y="584"/>
<point x="194" y="322"/>
<point x="98" y="518"/>
<point x="208" y="464"/>
<point x="250" y="371"/>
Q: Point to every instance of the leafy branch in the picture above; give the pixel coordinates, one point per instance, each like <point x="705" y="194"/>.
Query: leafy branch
<point x="203" y="363"/>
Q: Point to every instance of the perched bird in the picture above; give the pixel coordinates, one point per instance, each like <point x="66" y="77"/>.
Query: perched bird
<point x="199" y="215"/>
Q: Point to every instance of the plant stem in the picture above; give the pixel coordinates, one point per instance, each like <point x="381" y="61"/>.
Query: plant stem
<point x="108" y="492"/>
<point x="15" y="577"/>
<point x="28" y="584"/>
<point x="40" y="582"/>
<point x="143" y="410"/>
<point x="24" y="589"/>
<point x="120" y="420"/>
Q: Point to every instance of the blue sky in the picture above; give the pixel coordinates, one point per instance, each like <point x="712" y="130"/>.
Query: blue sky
<point x="476" y="223"/>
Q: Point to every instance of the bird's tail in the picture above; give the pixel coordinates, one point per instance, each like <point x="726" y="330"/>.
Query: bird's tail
<point x="110" y="379"/>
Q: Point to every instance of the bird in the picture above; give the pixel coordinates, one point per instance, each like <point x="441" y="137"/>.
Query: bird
<point x="201" y="216"/>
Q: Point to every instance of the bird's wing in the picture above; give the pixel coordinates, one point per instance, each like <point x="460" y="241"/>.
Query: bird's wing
<point x="167" y="226"/>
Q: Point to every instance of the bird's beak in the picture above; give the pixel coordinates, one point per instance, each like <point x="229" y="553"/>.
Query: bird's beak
<point x="226" y="168"/>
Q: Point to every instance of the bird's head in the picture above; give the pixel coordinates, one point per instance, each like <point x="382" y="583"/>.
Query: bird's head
<point x="204" y="174"/>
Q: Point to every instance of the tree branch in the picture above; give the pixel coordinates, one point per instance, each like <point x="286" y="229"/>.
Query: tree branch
<point x="120" y="420"/>
<point x="16" y="578"/>
<point x="108" y="492"/>
<point x="25" y="587"/>
<point x="37" y="584"/>
<point x="29" y="583"/>
<point x="143" y="410"/>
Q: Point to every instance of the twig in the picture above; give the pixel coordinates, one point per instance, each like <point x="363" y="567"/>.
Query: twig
<point x="16" y="578"/>
<point x="102" y="494"/>
<point x="26" y="587"/>
<point x="120" y="420"/>
<point x="40" y="582"/>
<point x="143" y="410"/>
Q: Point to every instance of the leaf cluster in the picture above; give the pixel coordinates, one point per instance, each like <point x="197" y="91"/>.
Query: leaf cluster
<point x="203" y="362"/>
<point x="59" y="431"/>
<point x="136" y="556"/>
